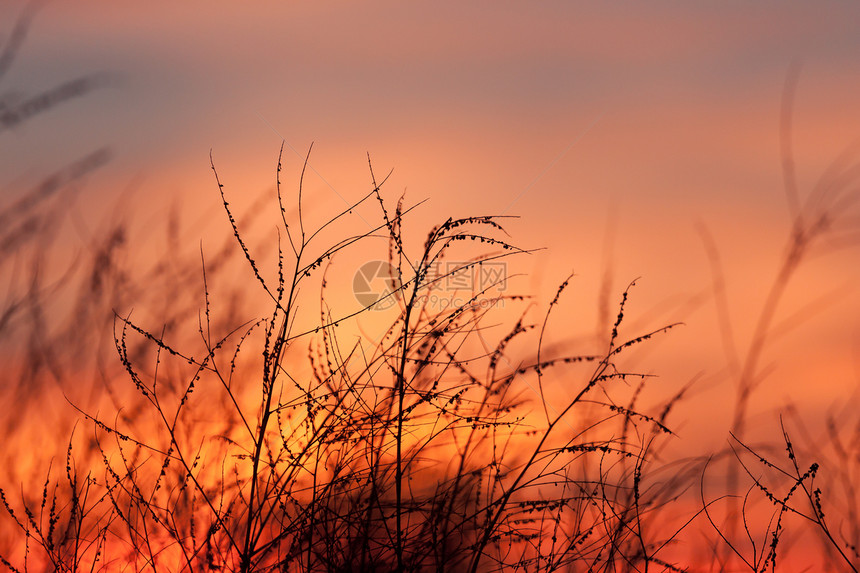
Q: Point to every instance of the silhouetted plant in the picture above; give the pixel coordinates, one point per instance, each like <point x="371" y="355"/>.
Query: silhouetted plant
<point x="412" y="452"/>
<point x="822" y="218"/>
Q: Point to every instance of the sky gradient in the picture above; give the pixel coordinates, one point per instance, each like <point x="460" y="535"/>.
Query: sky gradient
<point x="616" y="134"/>
<point x="621" y="136"/>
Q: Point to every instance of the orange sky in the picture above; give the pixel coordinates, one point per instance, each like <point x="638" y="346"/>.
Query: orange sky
<point x="573" y="116"/>
<point x="647" y="120"/>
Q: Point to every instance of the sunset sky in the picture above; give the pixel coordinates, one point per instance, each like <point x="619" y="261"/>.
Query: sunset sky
<point x="615" y="131"/>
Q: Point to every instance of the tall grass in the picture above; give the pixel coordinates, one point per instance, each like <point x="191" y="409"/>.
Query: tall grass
<point x="772" y="475"/>
<point x="418" y="450"/>
<point x="438" y="442"/>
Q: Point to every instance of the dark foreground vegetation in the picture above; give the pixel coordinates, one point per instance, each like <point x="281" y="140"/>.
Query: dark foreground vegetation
<point x="439" y="443"/>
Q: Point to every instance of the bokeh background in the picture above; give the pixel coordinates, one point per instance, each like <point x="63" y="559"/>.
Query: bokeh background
<point x="626" y="137"/>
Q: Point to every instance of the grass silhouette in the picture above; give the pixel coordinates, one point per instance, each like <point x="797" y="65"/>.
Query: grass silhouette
<point x="342" y="467"/>
<point x="273" y="444"/>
